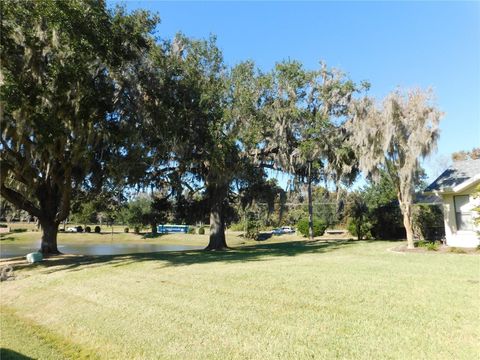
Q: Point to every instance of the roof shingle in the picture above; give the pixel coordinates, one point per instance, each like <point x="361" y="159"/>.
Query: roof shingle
<point x="459" y="172"/>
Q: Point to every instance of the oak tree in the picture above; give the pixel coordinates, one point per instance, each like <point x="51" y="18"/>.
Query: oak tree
<point x="63" y="88"/>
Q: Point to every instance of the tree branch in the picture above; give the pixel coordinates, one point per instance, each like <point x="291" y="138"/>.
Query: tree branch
<point x="19" y="201"/>
<point x="24" y="172"/>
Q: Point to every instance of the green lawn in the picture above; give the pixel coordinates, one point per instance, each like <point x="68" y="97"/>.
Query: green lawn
<point x="274" y="300"/>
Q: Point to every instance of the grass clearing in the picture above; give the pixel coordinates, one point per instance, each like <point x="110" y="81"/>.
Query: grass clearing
<point x="277" y="299"/>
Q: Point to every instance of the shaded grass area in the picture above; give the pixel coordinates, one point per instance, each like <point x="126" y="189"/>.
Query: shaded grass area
<point x="244" y="253"/>
<point x="298" y="299"/>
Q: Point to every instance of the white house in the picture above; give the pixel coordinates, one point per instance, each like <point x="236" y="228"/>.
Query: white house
<point x="456" y="186"/>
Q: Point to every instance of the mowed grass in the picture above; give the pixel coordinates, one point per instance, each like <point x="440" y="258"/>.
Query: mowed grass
<point x="274" y="300"/>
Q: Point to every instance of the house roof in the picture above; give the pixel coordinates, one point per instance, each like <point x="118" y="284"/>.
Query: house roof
<point x="457" y="177"/>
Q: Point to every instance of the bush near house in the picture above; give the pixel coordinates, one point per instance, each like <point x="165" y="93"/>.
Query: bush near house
<point x="428" y="222"/>
<point x="387" y="222"/>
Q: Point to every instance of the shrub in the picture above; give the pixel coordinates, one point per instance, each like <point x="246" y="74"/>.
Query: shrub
<point x="252" y="229"/>
<point x="79" y="229"/>
<point x="365" y="228"/>
<point x="126" y="230"/>
<point x="97" y="229"/>
<point x="427" y="221"/>
<point x="3" y="225"/>
<point x="432" y="246"/>
<point x="20" y="230"/>
<point x="429" y="245"/>
<point x="318" y="227"/>
<point x="421" y="243"/>
<point x="387" y="222"/>
<point x="191" y="230"/>
<point x="239" y="226"/>
<point x="201" y="230"/>
<point x="88" y="229"/>
<point x="136" y="229"/>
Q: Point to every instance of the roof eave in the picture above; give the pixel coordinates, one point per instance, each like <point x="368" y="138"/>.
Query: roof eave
<point x="440" y="192"/>
<point x="466" y="184"/>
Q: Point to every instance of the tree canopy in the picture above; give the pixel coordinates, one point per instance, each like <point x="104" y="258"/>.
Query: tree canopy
<point x="93" y="103"/>
<point x="392" y="138"/>
<point x="64" y="87"/>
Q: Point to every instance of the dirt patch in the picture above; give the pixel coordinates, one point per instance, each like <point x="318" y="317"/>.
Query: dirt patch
<point x="442" y="249"/>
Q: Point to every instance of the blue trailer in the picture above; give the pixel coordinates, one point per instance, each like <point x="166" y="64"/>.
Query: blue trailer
<point x="163" y="229"/>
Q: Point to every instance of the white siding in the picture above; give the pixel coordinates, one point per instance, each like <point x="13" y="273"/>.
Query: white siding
<point x="455" y="237"/>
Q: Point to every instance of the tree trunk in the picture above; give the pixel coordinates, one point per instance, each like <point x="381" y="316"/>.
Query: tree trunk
<point x="245" y="227"/>
<point x="406" y="208"/>
<point x="310" y="207"/>
<point x="53" y="195"/>
<point x="154" y="228"/>
<point x="407" y="222"/>
<point x="217" y="240"/>
<point x="280" y="213"/>
<point x="49" y="238"/>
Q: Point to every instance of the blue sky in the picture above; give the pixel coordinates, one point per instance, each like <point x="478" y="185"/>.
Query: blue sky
<point x="390" y="44"/>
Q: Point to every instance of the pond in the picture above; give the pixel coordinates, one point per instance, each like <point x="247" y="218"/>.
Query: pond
<point x="13" y="249"/>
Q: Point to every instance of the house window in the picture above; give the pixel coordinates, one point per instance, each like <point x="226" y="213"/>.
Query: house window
<point x="463" y="214"/>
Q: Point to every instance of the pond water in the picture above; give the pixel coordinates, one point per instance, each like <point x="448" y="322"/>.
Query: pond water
<point x="8" y="250"/>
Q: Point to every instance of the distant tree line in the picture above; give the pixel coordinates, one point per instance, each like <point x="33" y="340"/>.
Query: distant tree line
<point x="473" y="154"/>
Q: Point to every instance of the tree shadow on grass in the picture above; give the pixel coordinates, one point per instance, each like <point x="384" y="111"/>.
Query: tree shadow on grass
<point x="6" y="238"/>
<point x="150" y="235"/>
<point x="257" y="252"/>
<point x="384" y="240"/>
<point x="6" y="354"/>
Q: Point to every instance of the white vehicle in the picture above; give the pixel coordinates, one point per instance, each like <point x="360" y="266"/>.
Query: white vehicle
<point x="287" y="230"/>
<point x="71" y="229"/>
<point x="283" y="230"/>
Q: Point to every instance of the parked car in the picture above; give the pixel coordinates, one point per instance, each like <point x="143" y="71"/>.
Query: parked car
<point x="71" y="229"/>
<point x="283" y="230"/>
<point x="288" y="230"/>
